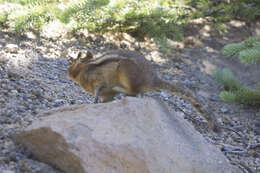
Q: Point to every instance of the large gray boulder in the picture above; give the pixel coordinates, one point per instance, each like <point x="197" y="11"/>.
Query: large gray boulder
<point x="128" y="136"/>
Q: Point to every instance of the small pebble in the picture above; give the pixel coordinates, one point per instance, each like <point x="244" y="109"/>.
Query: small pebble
<point x="11" y="48"/>
<point x="224" y="110"/>
<point x="164" y="94"/>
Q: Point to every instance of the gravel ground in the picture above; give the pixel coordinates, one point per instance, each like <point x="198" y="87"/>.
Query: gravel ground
<point x="33" y="77"/>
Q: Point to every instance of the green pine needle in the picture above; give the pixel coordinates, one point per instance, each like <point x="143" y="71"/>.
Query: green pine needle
<point x="227" y="78"/>
<point x="233" y="48"/>
<point x="250" y="56"/>
<point x="251" y="41"/>
<point x="248" y="51"/>
<point x="228" y="96"/>
<point x="235" y="92"/>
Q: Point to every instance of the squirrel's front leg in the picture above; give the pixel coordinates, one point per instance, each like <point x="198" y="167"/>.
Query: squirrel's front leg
<point x="97" y="90"/>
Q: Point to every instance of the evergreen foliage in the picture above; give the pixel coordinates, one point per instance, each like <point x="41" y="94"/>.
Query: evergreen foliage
<point x="30" y="14"/>
<point x="143" y="15"/>
<point x="223" y="10"/>
<point x="34" y="18"/>
<point x="250" y="56"/>
<point x="233" y="48"/>
<point x="234" y="91"/>
<point x="243" y="96"/>
<point x="248" y="51"/>
<point x="157" y="19"/>
<point x="227" y="78"/>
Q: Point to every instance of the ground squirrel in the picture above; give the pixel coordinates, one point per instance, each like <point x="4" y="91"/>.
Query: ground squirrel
<point x="128" y="72"/>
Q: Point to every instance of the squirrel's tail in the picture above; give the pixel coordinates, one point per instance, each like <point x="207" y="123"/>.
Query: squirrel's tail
<point x="182" y="91"/>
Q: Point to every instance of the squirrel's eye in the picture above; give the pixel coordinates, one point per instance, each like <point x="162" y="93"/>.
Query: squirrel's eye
<point x="71" y="60"/>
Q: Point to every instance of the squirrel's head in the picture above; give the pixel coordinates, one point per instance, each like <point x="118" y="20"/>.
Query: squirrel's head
<point x="82" y="57"/>
<point x="75" y="63"/>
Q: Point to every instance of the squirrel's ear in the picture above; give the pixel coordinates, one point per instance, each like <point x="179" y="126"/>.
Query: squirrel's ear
<point x="80" y="55"/>
<point x="84" y="57"/>
<point x="89" y="55"/>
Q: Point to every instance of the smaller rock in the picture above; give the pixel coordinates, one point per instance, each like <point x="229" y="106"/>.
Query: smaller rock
<point x="167" y="77"/>
<point x="213" y="98"/>
<point x="14" y="92"/>
<point x="12" y="74"/>
<point x="224" y="110"/>
<point x="37" y="93"/>
<point x="11" y="48"/>
<point x="187" y="105"/>
<point x="59" y="102"/>
<point x="187" y="82"/>
<point x="192" y="42"/>
<point x="233" y="123"/>
<point x="165" y="94"/>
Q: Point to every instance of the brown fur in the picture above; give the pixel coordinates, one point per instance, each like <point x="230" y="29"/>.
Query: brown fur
<point x="127" y="72"/>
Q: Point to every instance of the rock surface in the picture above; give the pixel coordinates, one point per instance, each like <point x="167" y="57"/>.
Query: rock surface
<point x="128" y="136"/>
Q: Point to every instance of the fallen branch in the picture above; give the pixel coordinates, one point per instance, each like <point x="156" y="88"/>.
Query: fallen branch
<point x="242" y="166"/>
<point x="236" y="132"/>
<point x="245" y="167"/>
<point x="233" y="150"/>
